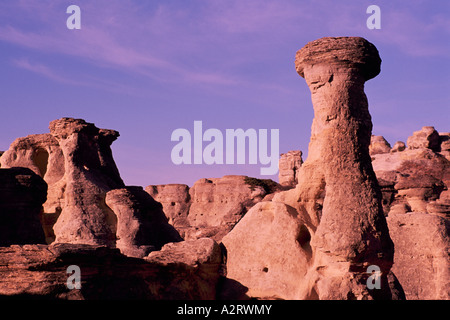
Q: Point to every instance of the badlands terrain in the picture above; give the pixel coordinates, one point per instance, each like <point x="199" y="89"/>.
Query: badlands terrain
<point x="356" y="202"/>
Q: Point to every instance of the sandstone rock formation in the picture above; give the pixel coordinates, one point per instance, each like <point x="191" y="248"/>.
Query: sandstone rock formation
<point x="337" y="195"/>
<point x="141" y="224"/>
<point x="75" y="160"/>
<point x="211" y="207"/>
<point x="427" y="137"/>
<point x="378" y="144"/>
<point x="22" y="193"/>
<point x="412" y="179"/>
<point x="289" y="165"/>
<point x="415" y="185"/>
<point x="185" y="270"/>
<point x="175" y="200"/>
<point x="421" y="260"/>
<point x="268" y="251"/>
<point x="352" y="233"/>
<point x="398" y="146"/>
<point x="221" y="201"/>
<point x="445" y="144"/>
<point x="191" y="267"/>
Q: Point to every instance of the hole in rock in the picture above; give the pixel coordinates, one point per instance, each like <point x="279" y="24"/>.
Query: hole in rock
<point x="40" y="159"/>
<point x="303" y="238"/>
<point x="265" y="269"/>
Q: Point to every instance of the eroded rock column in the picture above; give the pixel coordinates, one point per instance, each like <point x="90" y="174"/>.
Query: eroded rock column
<point x="351" y="229"/>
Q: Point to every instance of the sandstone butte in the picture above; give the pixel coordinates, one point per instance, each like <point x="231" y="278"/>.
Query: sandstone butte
<point x="355" y="202"/>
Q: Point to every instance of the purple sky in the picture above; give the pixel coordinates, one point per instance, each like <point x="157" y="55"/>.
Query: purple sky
<point x="146" y="68"/>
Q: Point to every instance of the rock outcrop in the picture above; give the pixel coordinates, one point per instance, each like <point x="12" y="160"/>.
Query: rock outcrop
<point x="337" y="196"/>
<point x="378" y="144"/>
<point x="180" y="271"/>
<point x="415" y="185"/>
<point x="141" y="224"/>
<point x="421" y="260"/>
<point x="268" y="252"/>
<point x="289" y="165"/>
<point x="427" y="138"/>
<point x="398" y="147"/>
<point x="413" y="180"/>
<point x="175" y="200"/>
<point x="75" y="160"/>
<point x="445" y="144"/>
<point x="22" y="193"/>
<point x="211" y="207"/>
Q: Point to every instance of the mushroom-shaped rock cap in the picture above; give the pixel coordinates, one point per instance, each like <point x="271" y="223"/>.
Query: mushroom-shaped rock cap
<point x="353" y="52"/>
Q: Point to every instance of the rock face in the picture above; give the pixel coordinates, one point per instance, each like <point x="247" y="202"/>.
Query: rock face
<point x="221" y="201"/>
<point x="415" y="184"/>
<point x="445" y="144"/>
<point x="190" y="269"/>
<point x="22" y="193"/>
<point x="428" y="137"/>
<point x="378" y="144"/>
<point x="268" y="251"/>
<point x="141" y="224"/>
<point x="421" y="260"/>
<point x="185" y="270"/>
<point x="211" y="207"/>
<point x="175" y="200"/>
<point x="289" y="165"/>
<point x="414" y="180"/>
<point x="75" y="160"/>
<point x="398" y="146"/>
<point x="337" y="196"/>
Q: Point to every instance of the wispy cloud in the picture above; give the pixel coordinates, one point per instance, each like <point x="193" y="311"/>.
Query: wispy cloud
<point x="43" y="70"/>
<point x="182" y="42"/>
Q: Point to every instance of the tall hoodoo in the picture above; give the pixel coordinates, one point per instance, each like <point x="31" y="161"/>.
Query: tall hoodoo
<point x="334" y="222"/>
<point x="351" y="233"/>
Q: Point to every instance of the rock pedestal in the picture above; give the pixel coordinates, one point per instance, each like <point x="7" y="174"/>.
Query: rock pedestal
<point x="341" y="229"/>
<point x="352" y="233"/>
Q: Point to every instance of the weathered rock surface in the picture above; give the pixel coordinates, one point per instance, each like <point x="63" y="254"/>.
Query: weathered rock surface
<point x="22" y="193"/>
<point x="221" y="201"/>
<point x="415" y="183"/>
<point x="75" y="160"/>
<point x="191" y="267"/>
<point x="178" y="272"/>
<point x="398" y="146"/>
<point x="211" y="207"/>
<point x="378" y="144"/>
<point x="289" y="165"/>
<point x="427" y="137"/>
<point x="421" y="260"/>
<point x="337" y="194"/>
<point x="175" y="200"/>
<point x="352" y="233"/>
<point x="268" y="251"/>
<point x="141" y="224"/>
<point x="445" y="144"/>
<point x="412" y="179"/>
